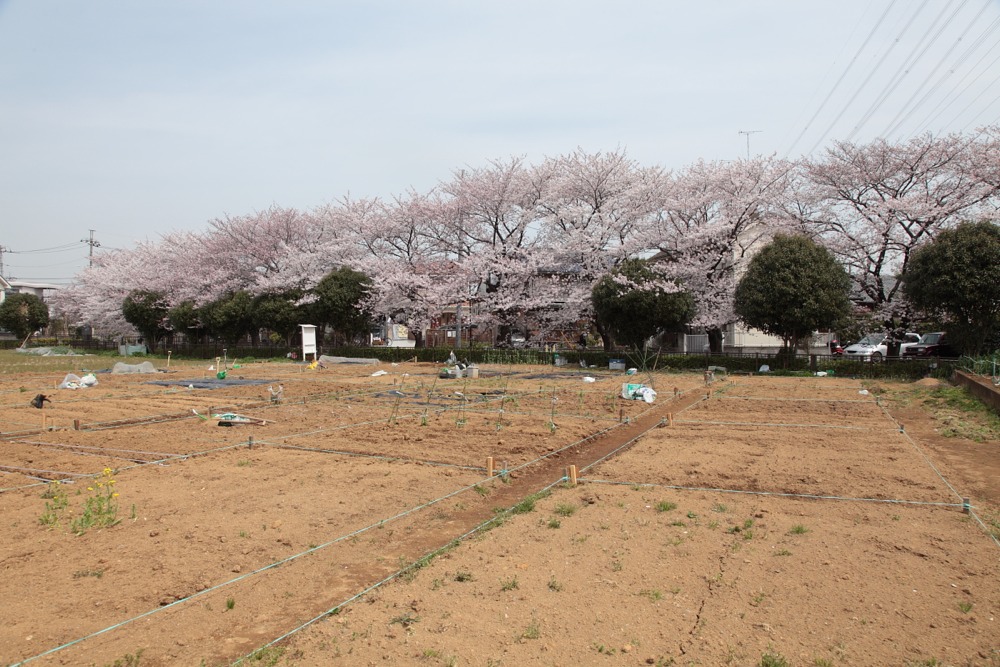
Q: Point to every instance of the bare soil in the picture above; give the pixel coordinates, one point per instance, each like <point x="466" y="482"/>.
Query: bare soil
<point x="795" y="517"/>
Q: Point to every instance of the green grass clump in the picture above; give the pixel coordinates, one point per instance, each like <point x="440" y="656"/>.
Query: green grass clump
<point x="565" y="509"/>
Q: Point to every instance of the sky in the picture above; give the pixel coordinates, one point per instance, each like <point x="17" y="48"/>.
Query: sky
<point x="134" y="119"/>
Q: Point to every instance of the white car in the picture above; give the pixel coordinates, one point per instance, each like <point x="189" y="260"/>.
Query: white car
<point x="874" y="347"/>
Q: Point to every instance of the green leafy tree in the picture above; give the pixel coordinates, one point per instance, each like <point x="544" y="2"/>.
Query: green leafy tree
<point x="147" y="311"/>
<point x="791" y="288"/>
<point x="186" y="317"/>
<point x="340" y="302"/>
<point x="278" y="312"/>
<point x="230" y="317"/>
<point x="634" y="303"/>
<point x="957" y="278"/>
<point x="23" y="313"/>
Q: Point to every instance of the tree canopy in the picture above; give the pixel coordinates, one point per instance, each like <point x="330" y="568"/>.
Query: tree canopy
<point x="957" y="278"/>
<point x="147" y="311"/>
<point x="634" y="303"/>
<point x="527" y="243"/>
<point x="791" y="288"/>
<point x="341" y="301"/>
<point x="23" y="313"/>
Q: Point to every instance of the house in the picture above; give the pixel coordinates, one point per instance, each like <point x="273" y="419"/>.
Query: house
<point x="25" y="287"/>
<point x="4" y="288"/>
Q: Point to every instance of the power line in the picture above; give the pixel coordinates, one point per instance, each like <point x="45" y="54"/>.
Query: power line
<point x="990" y="87"/>
<point x="840" y="80"/>
<point x="951" y="98"/>
<point x="901" y="119"/>
<point x="871" y="74"/>
<point x="908" y="63"/>
<point x="61" y="248"/>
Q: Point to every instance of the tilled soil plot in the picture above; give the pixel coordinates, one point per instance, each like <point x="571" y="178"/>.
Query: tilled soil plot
<point x="791" y="517"/>
<point x="224" y="535"/>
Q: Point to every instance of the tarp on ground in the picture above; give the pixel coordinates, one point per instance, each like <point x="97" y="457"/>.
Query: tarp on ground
<point x="60" y="351"/>
<point x="324" y="359"/>
<point x="144" y="367"/>
<point x="72" y="381"/>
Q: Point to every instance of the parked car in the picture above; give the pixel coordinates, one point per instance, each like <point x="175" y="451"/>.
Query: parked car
<point x="936" y="344"/>
<point x="875" y="346"/>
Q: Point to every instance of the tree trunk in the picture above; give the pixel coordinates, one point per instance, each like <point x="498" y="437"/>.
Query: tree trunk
<point x="715" y="341"/>
<point x="605" y="337"/>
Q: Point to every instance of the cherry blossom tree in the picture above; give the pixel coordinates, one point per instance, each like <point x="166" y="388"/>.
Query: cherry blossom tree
<point x="488" y="224"/>
<point x="399" y="252"/>
<point x="874" y="203"/>
<point x="590" y="211"/>
<point x="715" y="216"/>
<point x="525" y="245"/>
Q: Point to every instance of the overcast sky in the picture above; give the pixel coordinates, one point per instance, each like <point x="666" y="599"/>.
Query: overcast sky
<point x="138" y="118"/>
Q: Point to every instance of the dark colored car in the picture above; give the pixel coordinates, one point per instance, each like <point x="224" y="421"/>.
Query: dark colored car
<point x="934" y="344"/>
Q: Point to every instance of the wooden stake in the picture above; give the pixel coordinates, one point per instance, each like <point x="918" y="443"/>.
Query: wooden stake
<point x="621" y="414"/>
<point x="489" y="466"/>
<point x="250" y="442"/>
<point x="670" y="418"/>
<point x="676" y="392"/>
<point x="708" y="394"/>
<point x="44" y="425"/>
<point x="168" y="358"/>
<point x="572" y="475"/>
<point x="76" y="424"/>
<point x="966" y="506"/>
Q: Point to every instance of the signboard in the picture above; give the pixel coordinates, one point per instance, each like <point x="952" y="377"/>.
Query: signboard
<point x="308" y="341"/>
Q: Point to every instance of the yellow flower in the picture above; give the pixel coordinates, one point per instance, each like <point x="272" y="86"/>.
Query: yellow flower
<point x="90" y="488"/>
<point x="111" y="482"/>
<point x="107" y="471"/>
<point x="100" y="484"/>
<point x="114" y="495"/>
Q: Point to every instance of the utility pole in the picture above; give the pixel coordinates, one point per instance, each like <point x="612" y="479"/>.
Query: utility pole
<point x="93" y="244"/>
<point x="3" y="249"/>
<point x="748" y="133"/>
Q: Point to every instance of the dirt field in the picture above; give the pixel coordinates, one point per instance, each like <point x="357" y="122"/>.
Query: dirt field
<point x="793" y="518"/>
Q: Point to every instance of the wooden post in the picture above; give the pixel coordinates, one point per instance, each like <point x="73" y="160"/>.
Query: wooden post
<point x="250" y="442"/>
<point x="708" y="394"/>
<point x="168" y="358"/>
<point x="966" y="506"/>
<point x="571" y="474"/>
<point x="621" y="414"/>
<point x="670" y="418"/>
<point x="489" y="466"/>
<point x="45" y="426"/>
<point x="676" y="392"/>
<point x="76" y="424"/>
